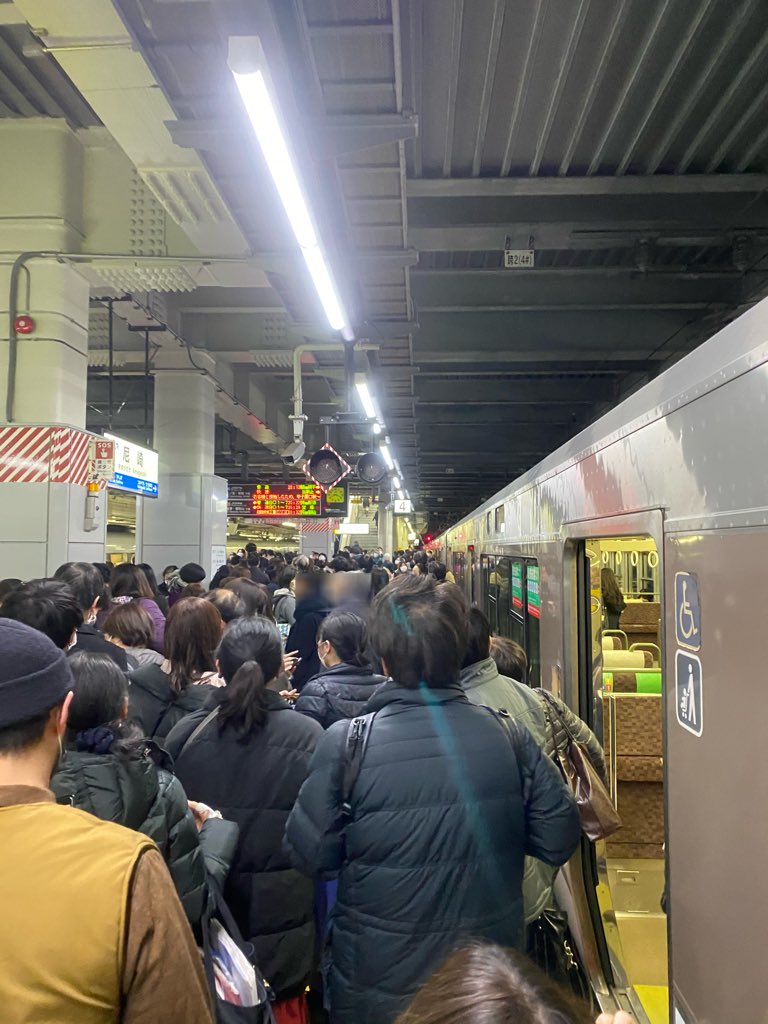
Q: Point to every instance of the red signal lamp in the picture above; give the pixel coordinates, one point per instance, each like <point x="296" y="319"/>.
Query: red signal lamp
<point x="23" y="324"/>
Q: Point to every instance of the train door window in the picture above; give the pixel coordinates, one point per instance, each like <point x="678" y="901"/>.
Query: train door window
<point x="621" y="639"/>
<point x="490" y="589"/>
<point x="502" y="596"/>
<point x="487" y="523"/>
<point x="532" y="621"/>
<point x="498" y="518"/>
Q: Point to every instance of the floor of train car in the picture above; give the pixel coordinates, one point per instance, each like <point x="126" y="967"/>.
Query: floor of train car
<point x="637" y="887"/>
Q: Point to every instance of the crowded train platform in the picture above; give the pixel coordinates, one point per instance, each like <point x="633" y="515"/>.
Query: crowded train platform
<point x="382" y="511"/>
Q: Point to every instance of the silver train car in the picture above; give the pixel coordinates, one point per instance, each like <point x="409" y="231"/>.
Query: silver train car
<point x="667" y="496"/>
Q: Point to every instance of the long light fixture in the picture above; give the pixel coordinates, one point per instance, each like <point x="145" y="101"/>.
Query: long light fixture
<point x="247" y="64"/>
<point x="396" y="482"/>
<point x="365" y="399"/>
<point x="387" y="454"/>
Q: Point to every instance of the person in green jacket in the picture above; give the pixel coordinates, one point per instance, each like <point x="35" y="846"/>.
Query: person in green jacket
<point x="110" y="770"/>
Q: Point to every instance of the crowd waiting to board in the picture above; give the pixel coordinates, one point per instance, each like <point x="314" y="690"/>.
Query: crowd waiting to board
<point x="336" y="750"/>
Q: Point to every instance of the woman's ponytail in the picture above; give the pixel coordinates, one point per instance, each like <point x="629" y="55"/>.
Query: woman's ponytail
<point x="244" y="699"/>
<point x="251" y="656"/>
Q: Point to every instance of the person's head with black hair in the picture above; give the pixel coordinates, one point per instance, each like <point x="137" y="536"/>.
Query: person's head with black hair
<point x="97" y="714"/>
<point x="168" y="571"/>
<point x="419" y="631"/>
<point x="7" y="586"/>
<point x="341" y="564"/>
<point x="438" y="570"/>
<point x="48" y="606"/>
<point x="482" y="983"/>
<point x="379" y="579"/>
<point x="105" y="568"/>
<point x="229" y="604"/>
<point x="510" y="658"/>
<point x="250" y="658"/>
<point x="256" y="598"/>
<point x="479" y="639"/>
<point x="342" y="639"/>
<point x="251" y="548"/>
<point x="86" y="583"/>
<point x="287" y="576"/>
<point x="129" y="581"/>
<point x="35" y="694"/>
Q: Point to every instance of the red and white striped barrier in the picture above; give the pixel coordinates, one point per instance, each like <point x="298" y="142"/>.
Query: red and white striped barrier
<point x="37" y="455"/>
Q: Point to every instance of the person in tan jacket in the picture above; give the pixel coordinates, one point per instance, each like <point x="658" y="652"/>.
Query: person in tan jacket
<point x="92" y="929"/>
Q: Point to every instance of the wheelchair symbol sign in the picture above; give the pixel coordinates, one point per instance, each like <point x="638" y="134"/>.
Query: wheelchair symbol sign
<point x="689" y="692"/>
<point x="687" y="611"/>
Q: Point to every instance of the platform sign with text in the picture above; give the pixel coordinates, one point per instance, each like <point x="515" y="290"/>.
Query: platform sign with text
<point x="101" y="459"/>
<point x="136" y="468"/>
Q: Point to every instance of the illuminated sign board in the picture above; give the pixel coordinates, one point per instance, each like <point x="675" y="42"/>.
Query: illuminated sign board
<point x="136" y="468"/>
<point x="286" y="501"/>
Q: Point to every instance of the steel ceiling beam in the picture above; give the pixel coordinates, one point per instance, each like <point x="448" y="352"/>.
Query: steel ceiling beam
<point x="547" y="187"/>
<point x="570" y="235"/>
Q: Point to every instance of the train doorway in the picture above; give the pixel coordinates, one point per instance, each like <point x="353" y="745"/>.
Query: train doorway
<point x="623" y="662"/>
<point x="121" y="527"/>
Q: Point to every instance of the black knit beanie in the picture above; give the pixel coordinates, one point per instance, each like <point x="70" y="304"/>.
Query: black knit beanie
<point x="34" y="674"/>
<point x="192" y="573"/>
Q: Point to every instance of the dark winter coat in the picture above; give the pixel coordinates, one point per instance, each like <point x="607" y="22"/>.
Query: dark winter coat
<point x="338" y="692"/>
<point x="308" y="615"/>
<point x="442" y="814"/>
<point x="137" y="793"/>
<point x="255" y="783"/>
<point x="156" y="707"/>
<point x="91" y="639"/>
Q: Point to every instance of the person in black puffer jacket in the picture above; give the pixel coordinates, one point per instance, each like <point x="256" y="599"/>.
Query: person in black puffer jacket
<point x="311" y="608"/>
<point x="346" y="680"/>
<point x="161" y="695"/>
<point x="448" y="800"/>
<point x="249" y="759"/>
<point x="113" y="773"/>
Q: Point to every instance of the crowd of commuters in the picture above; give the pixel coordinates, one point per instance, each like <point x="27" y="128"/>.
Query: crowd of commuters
<point x="163" y="743"/>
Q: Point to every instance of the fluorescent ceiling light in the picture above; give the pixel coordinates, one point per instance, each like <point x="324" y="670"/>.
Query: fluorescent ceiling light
<point x="384" y="449"/>
<point x="401" y="496"/>
<point x="377" y="428"/>
<point x="396" y="483"/>
<point x="262" y="113"/>
<point x="366" y="400"/>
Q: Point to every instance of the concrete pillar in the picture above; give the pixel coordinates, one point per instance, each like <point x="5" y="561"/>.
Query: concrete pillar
<point x="188" y="521"/>
<point x="386" y="529"/>
<point x="43" y="446"/>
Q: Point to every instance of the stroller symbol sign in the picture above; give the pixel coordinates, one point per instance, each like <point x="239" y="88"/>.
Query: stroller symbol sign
<point x="687" y="611"/>
<point x="689" y="692"/>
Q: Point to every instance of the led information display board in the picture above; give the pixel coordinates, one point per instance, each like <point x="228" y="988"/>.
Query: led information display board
<point x="136" y="468"/>
<point x="285" y="501"/>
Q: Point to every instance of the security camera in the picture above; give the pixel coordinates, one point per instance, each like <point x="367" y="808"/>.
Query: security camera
<point x="293" y="453"/>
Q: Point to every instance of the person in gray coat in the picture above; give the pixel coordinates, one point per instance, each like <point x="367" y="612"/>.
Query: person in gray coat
<point x="112" y="772"/>
<point x="483" y="683"/>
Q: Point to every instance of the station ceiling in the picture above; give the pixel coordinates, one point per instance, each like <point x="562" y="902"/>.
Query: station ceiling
<point x="624" y="141"/>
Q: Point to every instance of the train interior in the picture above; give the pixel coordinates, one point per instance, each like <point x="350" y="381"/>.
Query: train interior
<point x="627" y="687"/>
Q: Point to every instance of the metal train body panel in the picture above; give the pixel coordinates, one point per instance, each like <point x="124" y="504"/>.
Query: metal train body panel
<point x="684" y="460"/>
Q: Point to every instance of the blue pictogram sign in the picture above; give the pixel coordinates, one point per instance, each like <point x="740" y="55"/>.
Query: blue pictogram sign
<point x="689" y="692"/>
<point x="687" y="611"/>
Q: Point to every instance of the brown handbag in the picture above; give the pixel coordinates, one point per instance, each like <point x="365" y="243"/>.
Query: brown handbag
<point x="599" y="817"/>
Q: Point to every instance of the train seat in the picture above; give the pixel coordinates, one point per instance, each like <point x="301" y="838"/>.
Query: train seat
<point x="640" y="621"/>
<point x="627" y="659"/>
<point x="646" y="680"/>
<point x="653" y="649"/>
<point x="619" y="638"/>
<point x="633" y="745"/>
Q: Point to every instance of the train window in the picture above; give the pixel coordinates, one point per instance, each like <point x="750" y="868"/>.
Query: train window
<point x="499" y="518"/>
<point x="622" y="692"/>
<point x="487" y="522"/>
<point x="511" y="600"/>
